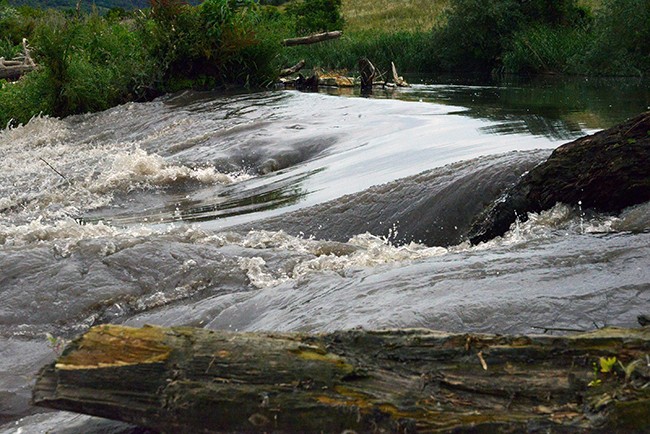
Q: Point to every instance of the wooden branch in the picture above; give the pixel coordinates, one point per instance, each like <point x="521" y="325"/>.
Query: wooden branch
<point x="295" y="68"/>
<point x="398" y="80"/>
<point x="368" y="73"/>
<point x="27" y="57"/>
<point x="312" y="39"/>
<point x="196" y="380"/>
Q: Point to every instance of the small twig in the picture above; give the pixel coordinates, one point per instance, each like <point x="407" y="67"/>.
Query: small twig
<point x="55" y="171"/>
<point x="480" y="357"/>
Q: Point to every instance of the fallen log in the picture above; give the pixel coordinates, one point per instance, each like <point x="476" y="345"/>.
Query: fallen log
<point x="15" y="71"/>
<point x="312" y="39"/>
<point x="606" y="171"/>
<point x="14" y="68"/>
<point x="196" y="380"/>
<point x="292" y="70"/>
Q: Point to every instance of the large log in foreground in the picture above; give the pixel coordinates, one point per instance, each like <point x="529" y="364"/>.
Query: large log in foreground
<point x="195" y="380"/>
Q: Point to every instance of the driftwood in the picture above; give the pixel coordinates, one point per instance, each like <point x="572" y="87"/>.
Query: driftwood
<point x="397" y="79"/>
<point x="292" y="70"/>
<point x="195" y="380"/>
<point x="312" y="39"/>
<point x="14" y="68"/>
<point x="368" y="73"/>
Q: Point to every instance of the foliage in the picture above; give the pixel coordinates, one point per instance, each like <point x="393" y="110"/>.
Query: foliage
<point x="8" y="49"/>
<point x="220" y="42"/>
<point x="406" y="49"/>
<point x="92" y="64"/>
<point x="544" y="49"/>
<point x="312" y="16"/>
<point x="88" y="5"/>
<point x="16" y="24"/>
<point x="620" y="39"/>
<point x="476" y="33"/>
<point x="22" y="100"/>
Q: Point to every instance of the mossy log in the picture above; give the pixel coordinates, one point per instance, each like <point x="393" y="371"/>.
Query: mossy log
<point x="196" y="380"/>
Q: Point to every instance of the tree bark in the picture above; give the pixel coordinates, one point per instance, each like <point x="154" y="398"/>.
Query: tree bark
<point x="196" y="380"/>
<point x="312" y="39"/>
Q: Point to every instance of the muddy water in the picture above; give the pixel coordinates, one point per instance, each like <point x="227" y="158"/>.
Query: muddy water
<point x="287" y="211"/>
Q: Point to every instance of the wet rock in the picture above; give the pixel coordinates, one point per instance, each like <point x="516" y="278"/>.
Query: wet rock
<point x="606" y="171"/>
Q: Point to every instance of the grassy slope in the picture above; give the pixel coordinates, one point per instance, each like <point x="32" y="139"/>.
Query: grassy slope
<point x="388" y="16"/>
<point x="71" y="4"/>
<point x="391" y="15"/>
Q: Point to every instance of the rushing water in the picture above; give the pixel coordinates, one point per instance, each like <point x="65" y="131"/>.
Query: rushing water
<point x="289" y="211"/>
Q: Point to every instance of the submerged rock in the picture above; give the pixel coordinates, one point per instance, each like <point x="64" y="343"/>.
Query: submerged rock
<point x="606" y="171"/>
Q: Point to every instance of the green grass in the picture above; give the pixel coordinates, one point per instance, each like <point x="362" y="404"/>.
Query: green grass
<point x="392" y="16"/>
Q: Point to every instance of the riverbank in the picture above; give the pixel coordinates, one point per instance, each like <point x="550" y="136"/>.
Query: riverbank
<point x="589" y="37"/>
<point x="89" y="62"/>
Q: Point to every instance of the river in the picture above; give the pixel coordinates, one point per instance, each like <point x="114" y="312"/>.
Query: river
<point x="289" y="211"/>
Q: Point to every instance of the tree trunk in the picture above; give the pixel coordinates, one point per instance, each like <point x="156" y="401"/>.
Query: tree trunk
<point x="368" y="73"/>
<point x="196" y="380"/>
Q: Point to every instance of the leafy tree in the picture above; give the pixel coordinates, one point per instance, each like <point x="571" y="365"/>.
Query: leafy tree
<point x="313" y="16"/>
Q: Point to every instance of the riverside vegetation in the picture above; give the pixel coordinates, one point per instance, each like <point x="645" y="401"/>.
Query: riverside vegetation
<point x="92" y="61"/>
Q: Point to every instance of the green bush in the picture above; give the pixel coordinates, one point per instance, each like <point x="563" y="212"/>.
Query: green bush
<point x="621" y="41"/>
<point x="222" y="42"/>
<point x="8" y="49"/>
<point x="22" y="100"/>
<point x="16" y="24"/>
<point x="476" y="33"/>
<point x="313" y="16"/>
<point x="407" y="49"/>
<point x="546" y="49"/>
<point x="92" y="64"/>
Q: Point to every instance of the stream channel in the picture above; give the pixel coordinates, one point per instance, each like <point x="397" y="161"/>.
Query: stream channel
<point x="311" y="212"/>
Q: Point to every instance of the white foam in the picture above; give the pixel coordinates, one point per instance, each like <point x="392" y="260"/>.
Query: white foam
<point x="546" y="224"/>
<point x="368" y="251"/>
<point x="136" y="169"/>
<point x="50" y="176"/>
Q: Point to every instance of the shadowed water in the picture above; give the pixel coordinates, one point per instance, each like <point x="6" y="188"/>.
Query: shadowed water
<point x="289" y="211"/>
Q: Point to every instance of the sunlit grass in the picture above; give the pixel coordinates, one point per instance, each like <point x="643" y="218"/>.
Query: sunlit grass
<point x="390" y="16"/>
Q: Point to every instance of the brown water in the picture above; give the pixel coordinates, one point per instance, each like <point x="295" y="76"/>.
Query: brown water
<point x="289" y="211"/>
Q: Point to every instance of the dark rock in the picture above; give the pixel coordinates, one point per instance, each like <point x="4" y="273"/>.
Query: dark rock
<point x="606" y="171"/>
